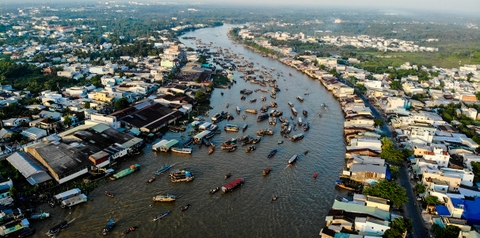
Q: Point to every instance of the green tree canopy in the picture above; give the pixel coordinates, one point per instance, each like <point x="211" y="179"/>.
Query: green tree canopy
<point x="399" y="226"/>
<point x="121" y="104"/>
<point x="420" y="188"/>
<point x="447" y="232"/>
<point x="388" y="190"/>
<point x="432" y="200"/>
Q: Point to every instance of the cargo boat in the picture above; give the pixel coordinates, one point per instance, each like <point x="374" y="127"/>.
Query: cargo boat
<point x="232" y="185"/>
<point x="253" y="111"/>
<point x="181" y="176"/>
<point x="125" y="172"/>
<point x="108" y="227"/>
<point x="230" y="127"/>
<point x="164" y="198"/>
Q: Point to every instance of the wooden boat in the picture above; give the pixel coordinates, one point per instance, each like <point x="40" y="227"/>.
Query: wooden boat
<point x="108" y="227"/>
<point x="184" y="150"/>
<point x="214" y="190"/>
<point x="181" y="176"/>
<point x="133" y="228"/>
<point x="256" y="140"/>
<point x="56" y="229"/>
<point x="234" y="148"/>
<point x="151" y="179"/>
<point x="250" y="148"/>
<point x="238" y="110"/>
<point x="226" y="105"/>
<point x="231" y="128"/>
<point x="253" y="100"/>
<point x="164" y="198"/>
<point x="305" y="113"/>
<point x="294" y="111"/>
<point x="244" y="128"/>
<point x="290" y="104"/>
<point x="243" y="117"/>
<point x="125" y="172"/>
<point x="161" y="216"/>
<point x="109" y="194"/>
<point x="300" y="99"/>
<point x="300" y="122"/>
<point x="163" y="169"/>
<point x="293" y="159"/>
<point x="315" y="175"/>
<point x="211" y="150"/>
<point x="253" y="111"/>
<point x="232" y="185"/>
<point x="184" y="208"/>
<point x="228" y="175"/>
<point x="272" y="153"/>
<point x="280" y="142"/>
<point x="274" y="198"/>
<point x="266" y="171"/>
<point x="340" y="184"/>
<point x="297" y="137"/>
<point x="306" y="127"/>
<point x="305" y="152"/>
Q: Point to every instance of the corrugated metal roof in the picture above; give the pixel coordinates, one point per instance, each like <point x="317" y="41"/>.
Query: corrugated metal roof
<point x="28" y="167"/>
<point x="132" y="142"/>
<point x="100" y="127"/>
<point x="351" y="207"/>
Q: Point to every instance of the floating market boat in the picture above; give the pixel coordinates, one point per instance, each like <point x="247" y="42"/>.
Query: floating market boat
<point x="238" y="110"/>
<point x="300" y="99"/>
<point x="182" y="150"/>
<point x="300" y="122"/>
<point x="266" y="171"/>
<point x="305" y="113"/>
<point x="230" y="127"/>
<point x="184" y="208"/>
<point x="297" y="137"/>
<point x="151" y="179"/>
<point x="109" y="194"/>
<point x="244" y="128"/>
<point x="290" y="104"/>
<point x="181" y="176"/>
<point x="108" y="227"/>
<point x="293" y="159"/>
<point x="315" y="175"/>
<point x="228" y="175"/>
<point x="214" y="190"/>
<point x="40" y="216"/>
<point x="294" y="111"/>
<point x="306" y="127"/>
<point x="340" y="184"/>
<point x="56" y="229"/>
<point x="250" y="148"/>
<point x="164" y="198"/>
<point x="232" y="185"/>
<point x="272" y="153"/>
<point x="161" y="216"/>
<point x="163" y="169"/>
<point x="125" y="172"/>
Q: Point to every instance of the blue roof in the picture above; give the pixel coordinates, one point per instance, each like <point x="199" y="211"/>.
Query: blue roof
<point x="472" y="211"/>
<point x="442" y="210"/>
<point x="457" y="201"/>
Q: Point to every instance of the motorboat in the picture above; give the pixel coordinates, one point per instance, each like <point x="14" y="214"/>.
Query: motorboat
<point x="183" y="150"/>
<point x="266" y="171"/>
<point x="214" y="190"/>
<point x="228" y="175"/>
<point x="161" y="216"/>
<point x="181" y="176"/>
<point x="163" y="169"/>
<point x="184" y="208"/>
<point x="297" y="137"/>
<point x="305" y="113"/>
<point x="108" y="227"/>
<point x="133" y="228"/>
<point x="293" y="159"/>
<point x="300" y="99"/>
<point x="151" y="179"/>
<point x="109" y="194"/>
<point x="164" y="198"/>
<point x="250" y="148"/>
<point x="56" y="229"/>
<point x="280" y="142"/>
<point x="290" y="104"/>
<point x="272" y="153"/>
<point x="274" y="198"/>
<point x="244" y="128"/>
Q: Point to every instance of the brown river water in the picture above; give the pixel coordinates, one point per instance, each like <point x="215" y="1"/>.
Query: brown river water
<point x="248" y="211"/>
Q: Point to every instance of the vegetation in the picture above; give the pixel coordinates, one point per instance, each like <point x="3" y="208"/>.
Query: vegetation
<point x="388" y="190"/>
<point x="449" y="114"/>
<point x="432" y="200"/>
<point x="391" y="154"/>
<point x="476" y="171"/>
<point x="398" y="227"/>
<point x="420" y="188"/>
<point x="121" y="103"/>
<point x="447" y="232"/>
<point x="200" y="96"/>
<point x="378" y="122"/>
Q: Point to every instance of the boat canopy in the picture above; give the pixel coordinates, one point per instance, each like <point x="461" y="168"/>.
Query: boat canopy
<point x="68" y="194"/>
<point x="169" y="144"/>
<point x="200" y="135"/>
<point x="205" y="126"/>
<point x="159" y="144"/>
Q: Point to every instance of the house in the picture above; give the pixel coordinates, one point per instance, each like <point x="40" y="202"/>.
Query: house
<point x="367" y="173"/>
<point x="15" y="122"/>
<point x="105" y="119"/>
<point x="371" y="226"/>
<point x="49" y="114"/>
<point x="34" y="133"/>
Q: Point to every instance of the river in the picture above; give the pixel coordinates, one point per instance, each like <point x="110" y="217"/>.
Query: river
<point x="248" y="211"/>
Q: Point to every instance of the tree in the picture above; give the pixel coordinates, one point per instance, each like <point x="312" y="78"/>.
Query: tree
<point x="420" y="188"/>
<point x="86" y="105"/>
<point x="378" y="122"/>
<point x="476" y="171"/>
<point x="121" y="104"/>
<point x="200" y="96"/>
<point x="388" y="190"/>
<point x="67" y="121"/>
<point x="447" y="232"/>
<point x="390" y="153"/>
<point x="399" y="226"/>
<point x="432" y="200"/>
<point x="322" y="67"/>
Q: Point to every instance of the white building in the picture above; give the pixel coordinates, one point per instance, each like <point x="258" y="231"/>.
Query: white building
<point x="34" y="133"/>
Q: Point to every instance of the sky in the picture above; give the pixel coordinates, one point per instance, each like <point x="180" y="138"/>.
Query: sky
<point x="452" y="6"/>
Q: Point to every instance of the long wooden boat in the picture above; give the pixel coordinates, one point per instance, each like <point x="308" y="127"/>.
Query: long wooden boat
<point x="125" y="172"/>
<point x="164" y="198"/>
<point x="232" y="185"/>
<point x="340" y="184"/>
<point x="297" y="137"/>
<point x="272" y="153"/>
<point x="294" y="111"/>
<point x="293" y="159"/>
<point x="163" y="169"/>
<point x="184" y="150"/>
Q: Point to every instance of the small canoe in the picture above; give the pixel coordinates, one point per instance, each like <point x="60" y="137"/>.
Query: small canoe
<point x="315" y="175"/>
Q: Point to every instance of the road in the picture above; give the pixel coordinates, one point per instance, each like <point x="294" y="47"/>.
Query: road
<point x="411" y="209"/>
